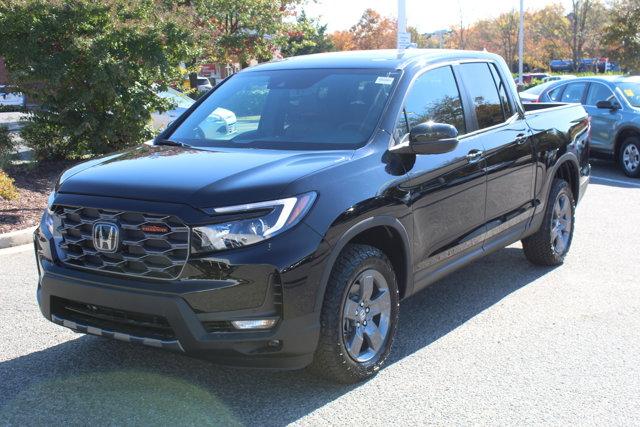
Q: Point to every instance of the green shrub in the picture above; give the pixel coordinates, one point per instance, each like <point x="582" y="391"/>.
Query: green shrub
<point x="6" y="147"/>
<point x="94" y="67"/>
<point x="47" y="140"/>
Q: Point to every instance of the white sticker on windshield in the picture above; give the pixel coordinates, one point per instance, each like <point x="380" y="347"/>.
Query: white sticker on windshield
<point x="384" y="80"/>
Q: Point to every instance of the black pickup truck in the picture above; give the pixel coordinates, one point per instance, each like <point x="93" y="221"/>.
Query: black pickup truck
<point x="348" y="182"/>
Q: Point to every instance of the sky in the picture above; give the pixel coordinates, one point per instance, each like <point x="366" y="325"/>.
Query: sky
<point x="425" y="15"/>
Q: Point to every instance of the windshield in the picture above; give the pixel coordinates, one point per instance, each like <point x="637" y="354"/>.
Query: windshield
<point x="631" y="91"/>
<point x="315" y="109"/>
<point x="178" y="99"/>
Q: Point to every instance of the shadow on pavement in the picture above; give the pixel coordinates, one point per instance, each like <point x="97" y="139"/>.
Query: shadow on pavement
<point x="93" y="380"/>
<point x="607" y="172"/>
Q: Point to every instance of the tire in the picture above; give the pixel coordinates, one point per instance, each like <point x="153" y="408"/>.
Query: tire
<point x="551" y="243"/>
<point x="337" y="358"/>
<point x="629" y="157"/>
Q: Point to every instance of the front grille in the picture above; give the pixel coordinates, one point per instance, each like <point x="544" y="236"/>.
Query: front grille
<point x="154" y="255"/>
<point x="114" y="320"/>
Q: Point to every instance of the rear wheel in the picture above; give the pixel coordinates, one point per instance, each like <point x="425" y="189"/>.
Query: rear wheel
<point x="630" y="157"/>
<point x="359" y="316"/>
<point x="551" y="243"/>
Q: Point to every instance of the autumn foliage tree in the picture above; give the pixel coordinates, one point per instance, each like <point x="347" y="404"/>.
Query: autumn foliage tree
<point x="622" y="34"/>
<point x="237" y="30"/>
<point x="372" y="31"/>
<point x="550" y="33"/>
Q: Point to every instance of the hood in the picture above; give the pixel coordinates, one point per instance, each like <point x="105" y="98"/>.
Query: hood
<point x="200" y="178"/>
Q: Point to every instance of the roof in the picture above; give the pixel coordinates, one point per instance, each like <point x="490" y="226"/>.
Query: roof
<point x="604" y="78"/>
<point x="378" y="59"/>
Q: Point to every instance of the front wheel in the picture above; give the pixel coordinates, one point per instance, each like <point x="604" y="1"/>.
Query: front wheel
<point x="630" y="157"/>
<point x="359" y="316"/>
<point x="551" y="243"/>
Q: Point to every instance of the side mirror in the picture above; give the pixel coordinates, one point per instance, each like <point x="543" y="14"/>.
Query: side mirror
<point x="429" y="138"/>
<point x="433" y="138"/>
<point x="607" y="105"/>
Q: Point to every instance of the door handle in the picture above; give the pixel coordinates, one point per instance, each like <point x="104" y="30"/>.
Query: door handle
<point x="521" y="138"/>
<point x="474" y="156"/>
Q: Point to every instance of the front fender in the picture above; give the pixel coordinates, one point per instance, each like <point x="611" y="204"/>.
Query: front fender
<point x="353" y="230"/>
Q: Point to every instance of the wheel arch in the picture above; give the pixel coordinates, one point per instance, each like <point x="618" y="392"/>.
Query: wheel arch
<point x="567" y="169"/>
<point x="387" y="234"/>
<point x="623" y="134"/>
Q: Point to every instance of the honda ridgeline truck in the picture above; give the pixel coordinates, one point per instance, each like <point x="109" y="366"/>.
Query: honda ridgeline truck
<point x="351" y="181"/>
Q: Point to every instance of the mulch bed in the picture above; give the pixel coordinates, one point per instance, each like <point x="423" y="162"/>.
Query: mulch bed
<point x="34" y="183"/>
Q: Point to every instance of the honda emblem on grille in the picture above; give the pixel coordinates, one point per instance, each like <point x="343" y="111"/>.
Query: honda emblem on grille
<point x="106" y="237"/>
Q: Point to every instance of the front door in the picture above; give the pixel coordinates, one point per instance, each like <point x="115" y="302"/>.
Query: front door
<point x="448" y="190"/>
<point x="603" y="120"/>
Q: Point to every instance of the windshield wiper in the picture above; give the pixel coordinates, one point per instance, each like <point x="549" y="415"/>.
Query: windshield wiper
<point x="170" y="142"/>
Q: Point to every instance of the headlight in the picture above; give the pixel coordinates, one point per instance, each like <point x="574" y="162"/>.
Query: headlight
<point x="48" y="222"/>
<point x="270" y="219"/>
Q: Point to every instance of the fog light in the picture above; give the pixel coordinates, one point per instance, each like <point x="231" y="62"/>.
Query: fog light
<point x="254" y="324"/>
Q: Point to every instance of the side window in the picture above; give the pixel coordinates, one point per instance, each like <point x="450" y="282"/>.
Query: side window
<point x="555" y="95"/>
<point x="574" y="92"/>
<point x="484" y="94"/>
<point x="502" y="91"/>
<point x="435" y="97"/>
<point x="599" y="92"/>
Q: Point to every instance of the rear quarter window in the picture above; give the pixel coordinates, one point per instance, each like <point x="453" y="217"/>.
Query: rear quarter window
<point x="555" y="95"/>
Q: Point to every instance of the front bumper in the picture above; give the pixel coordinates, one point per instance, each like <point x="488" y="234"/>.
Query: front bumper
<point x="274" y="281"/>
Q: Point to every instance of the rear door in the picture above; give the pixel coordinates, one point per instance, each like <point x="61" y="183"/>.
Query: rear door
<point x="508" y="153"/>
<point x="448" y="191"/>
<point x="574" y="92"/>
<point x="603" y="120"/>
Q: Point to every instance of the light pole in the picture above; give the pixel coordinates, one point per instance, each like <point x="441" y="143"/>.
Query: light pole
<point x="521" y="43"/>
<point x="403" y="38"/>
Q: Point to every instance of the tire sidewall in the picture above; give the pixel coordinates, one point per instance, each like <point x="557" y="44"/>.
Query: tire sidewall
<point x="629" y="141"/>
<point x="562" y="187"/>
<point x="372" y="365"/>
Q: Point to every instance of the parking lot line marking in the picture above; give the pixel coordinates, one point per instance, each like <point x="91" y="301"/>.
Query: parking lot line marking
<point x="614" y="181"/>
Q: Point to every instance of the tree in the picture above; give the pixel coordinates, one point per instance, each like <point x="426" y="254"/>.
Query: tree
<point x="582" y="28"/>
<point x="622" y="34"/>
<point x="544" y="36"/>
<point x="423" y="41"/>
<point x="343" y="40"/>
<point x="507" y="25"/>
<point x="240" y="30"/>
<point x="93" y="66"/>
<point x="374" y="31"/>
<point x="306" y="36"/>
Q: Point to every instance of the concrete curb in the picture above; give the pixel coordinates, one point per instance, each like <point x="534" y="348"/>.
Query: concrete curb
<point x="16" y="238"/>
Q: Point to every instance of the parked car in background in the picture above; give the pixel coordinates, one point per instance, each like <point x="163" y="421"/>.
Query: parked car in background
<point x="533" y="93"/>
<point x="203" y="84"/>
<point x="561" y="65"/>
<point x="613" y="102"/>
<point x="356" y="180"/>
<point x="560" y="77"/>
<point x="220" y="121"/>
<point x="529" y="77"/>
<point x="180" y="103"/>
<point x="8" y="97"/>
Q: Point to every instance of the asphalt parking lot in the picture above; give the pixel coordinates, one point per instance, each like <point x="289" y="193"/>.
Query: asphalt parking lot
<point x="500" y="342"/>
